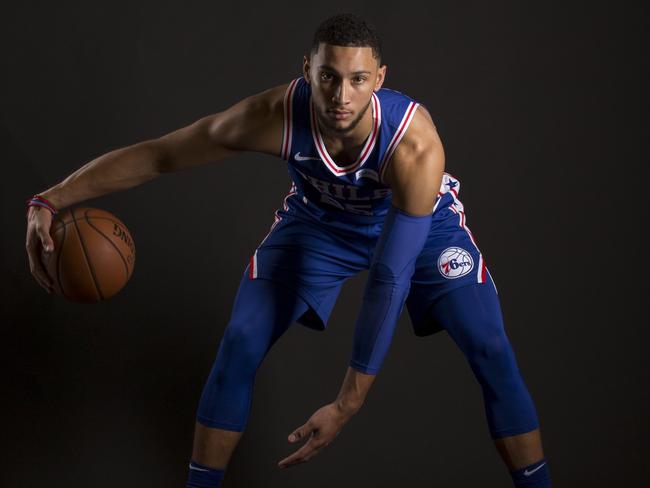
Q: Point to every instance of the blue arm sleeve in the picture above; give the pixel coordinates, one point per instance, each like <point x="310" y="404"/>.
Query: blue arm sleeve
<point x="389" y="280"/>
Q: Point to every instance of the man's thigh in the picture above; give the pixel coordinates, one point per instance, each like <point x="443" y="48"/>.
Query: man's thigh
<point x="310" y="258"/>
<point x="450" y="259"/>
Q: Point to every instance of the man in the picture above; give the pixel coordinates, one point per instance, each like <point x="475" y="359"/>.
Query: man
<point x="369" y="192"/>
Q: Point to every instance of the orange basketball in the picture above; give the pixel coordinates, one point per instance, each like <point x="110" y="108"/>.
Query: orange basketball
<point x="93" y="255"/>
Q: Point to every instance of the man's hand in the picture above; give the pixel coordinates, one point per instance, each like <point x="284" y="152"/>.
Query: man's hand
<point x="321" y="429"/>
<point x="39" y="220"/>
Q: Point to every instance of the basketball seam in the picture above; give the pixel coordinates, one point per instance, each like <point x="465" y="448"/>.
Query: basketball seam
<point x="64" y="224"/>
<point x="126" y="266"/>
<point x="90" y="265"/>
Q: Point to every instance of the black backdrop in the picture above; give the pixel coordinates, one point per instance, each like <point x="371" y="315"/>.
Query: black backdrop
<point x="541" y="109"/>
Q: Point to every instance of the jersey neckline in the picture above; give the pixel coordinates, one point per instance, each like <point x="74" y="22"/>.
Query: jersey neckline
<point x="365" y="152"/>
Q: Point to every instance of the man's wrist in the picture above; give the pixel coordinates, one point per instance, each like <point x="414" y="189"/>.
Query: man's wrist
<point x="52" y="196"/>
<point x="348" y="406"/>
<point x="353" y="392"/>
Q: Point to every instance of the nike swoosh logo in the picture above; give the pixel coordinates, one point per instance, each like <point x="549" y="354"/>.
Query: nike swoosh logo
<point x="298" y="157"/>
<point x="366" y="173"/>
<point x="198" y="469"/>
<point x="528" y="473"/>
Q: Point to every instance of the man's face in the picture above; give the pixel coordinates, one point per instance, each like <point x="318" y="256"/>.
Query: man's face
<point x="342" y="81"/>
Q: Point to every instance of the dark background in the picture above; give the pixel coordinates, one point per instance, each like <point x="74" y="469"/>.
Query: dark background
<point x="542" y="110"/>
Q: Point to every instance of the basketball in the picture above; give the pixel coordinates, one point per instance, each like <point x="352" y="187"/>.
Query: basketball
<point x="93" y="257"/>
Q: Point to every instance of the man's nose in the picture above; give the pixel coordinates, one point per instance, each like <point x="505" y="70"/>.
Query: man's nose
<point x="340" y="94"/>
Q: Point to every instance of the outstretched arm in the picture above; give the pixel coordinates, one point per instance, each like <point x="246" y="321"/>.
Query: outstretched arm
<point x="414" y="176"/>
<point x="254" y="124"/>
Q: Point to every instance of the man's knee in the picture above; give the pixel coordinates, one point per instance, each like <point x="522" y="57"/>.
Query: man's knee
<point x="492" y="350"/>
<point x="244" y="345"/>
<point x="490" y="345"/>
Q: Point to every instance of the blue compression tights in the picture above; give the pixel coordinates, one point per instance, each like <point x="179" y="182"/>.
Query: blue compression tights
<point x="264" y="310"/>
<point x="471" y="315"/>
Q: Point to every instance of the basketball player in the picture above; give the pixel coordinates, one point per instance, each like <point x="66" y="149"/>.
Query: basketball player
<point x="368" y="191"/>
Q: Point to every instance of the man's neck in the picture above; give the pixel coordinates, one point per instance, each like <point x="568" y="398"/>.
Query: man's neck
<point x="345" y="146"/>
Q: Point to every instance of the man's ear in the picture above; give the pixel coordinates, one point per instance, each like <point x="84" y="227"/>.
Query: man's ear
<point x="381" y="76"/>
<point x="305" y="68"/>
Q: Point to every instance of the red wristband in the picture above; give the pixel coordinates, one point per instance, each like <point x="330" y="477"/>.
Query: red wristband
<point x="39" y="201"/>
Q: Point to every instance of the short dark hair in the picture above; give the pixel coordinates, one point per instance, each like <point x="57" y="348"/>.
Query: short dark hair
<point x="347" y="30"/>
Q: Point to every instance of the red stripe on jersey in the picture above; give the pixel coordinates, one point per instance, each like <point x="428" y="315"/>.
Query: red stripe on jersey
<point x="370" y="146"/>
<point x="406" y="120"/>
<point x="288" y="119"/>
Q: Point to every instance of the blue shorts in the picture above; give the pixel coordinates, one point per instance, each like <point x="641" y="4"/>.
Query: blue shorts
<point x="314" y="251"/>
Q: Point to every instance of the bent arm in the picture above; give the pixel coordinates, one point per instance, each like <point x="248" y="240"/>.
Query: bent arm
<point x="414" y="176"/>
<point x="253" y="124"/>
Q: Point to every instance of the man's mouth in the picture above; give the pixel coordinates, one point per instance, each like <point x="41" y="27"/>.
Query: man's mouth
<point x="339" y="114"/>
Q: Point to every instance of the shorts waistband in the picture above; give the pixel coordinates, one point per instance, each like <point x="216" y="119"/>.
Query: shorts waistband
<point x="299" y="204"/>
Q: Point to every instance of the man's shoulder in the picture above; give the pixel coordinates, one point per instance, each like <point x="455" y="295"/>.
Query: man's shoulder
<point x="421" y="135"/>
<point x="397" y="109"/>
<point x="270" y="100"/>
<point x="254" y="123"/>
<point x="390" y="95"/>
<point x="420" y="146"/>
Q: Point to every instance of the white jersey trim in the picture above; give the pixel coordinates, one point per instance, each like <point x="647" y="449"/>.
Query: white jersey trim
<point x="365" y="152"/>
<point x="397" y="137"/>
<point x="287" y="127"/>
<point x="253" y="262"/>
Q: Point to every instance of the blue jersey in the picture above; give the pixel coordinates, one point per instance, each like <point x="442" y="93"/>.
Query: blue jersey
<point x="355" y="188"/>
<point x="329" y="222"/>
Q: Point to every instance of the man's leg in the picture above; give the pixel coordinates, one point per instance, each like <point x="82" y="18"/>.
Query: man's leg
<point x="262" y="312"/>
<point x="521" y="450"/>
<point x="472" y="317"/>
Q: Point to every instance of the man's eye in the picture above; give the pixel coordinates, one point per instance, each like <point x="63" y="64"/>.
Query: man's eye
<point x="359" y="80"/>
<point x="325" y="76"/>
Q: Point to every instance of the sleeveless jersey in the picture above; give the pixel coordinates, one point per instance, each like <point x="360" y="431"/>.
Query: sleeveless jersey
<point x="355" y="189"/>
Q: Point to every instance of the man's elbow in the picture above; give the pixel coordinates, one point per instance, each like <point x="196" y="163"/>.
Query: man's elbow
<point x="160" y="164"/>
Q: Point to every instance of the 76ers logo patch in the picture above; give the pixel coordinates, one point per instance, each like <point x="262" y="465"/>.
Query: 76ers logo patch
<point x="455" y="262"/>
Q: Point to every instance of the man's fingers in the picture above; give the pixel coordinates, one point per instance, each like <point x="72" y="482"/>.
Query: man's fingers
<point x="300" y="432"/>
<point x="37" y="269"/>
<point x="42" y="283"/>
<point x="299" y="456"/>
<point x="46" y="241"/>
<point x="39" y="240"/>
<point x="304" y="454"/>
<point x="43" y="233"/>
<point x="43" y="280"/>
